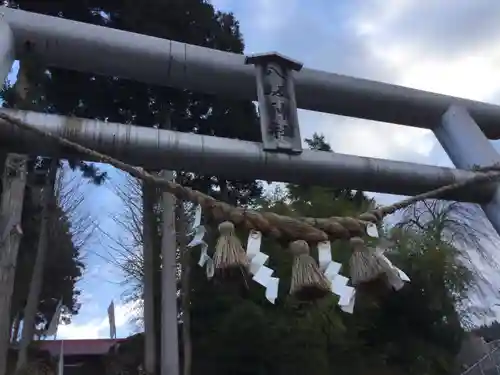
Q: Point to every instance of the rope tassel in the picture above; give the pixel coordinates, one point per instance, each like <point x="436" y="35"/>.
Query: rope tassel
<point x="229" y="254"/>
<point x="308" y="282"/>
<point x="365" y="265"/>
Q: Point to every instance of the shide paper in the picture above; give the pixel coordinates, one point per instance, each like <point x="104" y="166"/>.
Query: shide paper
<point x="261" y="273"/>
<point x="198" y="231"/>
<point x="372" y="230"/>
<point x="395" y="276"/>
<point x="331" y="270"/>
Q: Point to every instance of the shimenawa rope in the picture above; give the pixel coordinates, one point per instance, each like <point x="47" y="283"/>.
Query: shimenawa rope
<point x="278" y="226"/>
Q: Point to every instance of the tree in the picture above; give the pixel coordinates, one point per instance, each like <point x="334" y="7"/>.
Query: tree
<point x="490" y="332"/>
<point x="318" y="143"/>
<point x="418" y="328"/>
<point x="70" y="228"/>
<point x="13" y="182"/>
<point x="33" y="76"/>
<point x="91" y="96"/>
<point x="30" y="312"/>
<point x="192" y="21"/>
<point x="13" y="187"/>
<point x="29" y="92"/>
<point x="69" y="231"/>
<point x="462" y="226"/>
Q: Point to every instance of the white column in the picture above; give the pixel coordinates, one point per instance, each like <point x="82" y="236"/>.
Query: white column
<point x="169" y="334"/>
<point x="467" y="147"/>
<point x="6" y="48"/>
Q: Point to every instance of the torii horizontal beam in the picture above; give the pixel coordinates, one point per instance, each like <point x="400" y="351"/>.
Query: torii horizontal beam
<point x="106" y="51"/>
<point x="235" y="159"/>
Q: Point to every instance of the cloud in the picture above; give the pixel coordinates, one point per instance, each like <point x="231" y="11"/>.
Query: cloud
<point x="369" y="138"/>
<point x="335" y="36"/>
<point x="435" y="46"/>
<point x="449" y="47"/>
<point x="445" y="29"/>
<point x="99" y="326"/>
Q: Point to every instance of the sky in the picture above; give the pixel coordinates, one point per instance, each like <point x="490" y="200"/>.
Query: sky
<point x="448" y="46"/>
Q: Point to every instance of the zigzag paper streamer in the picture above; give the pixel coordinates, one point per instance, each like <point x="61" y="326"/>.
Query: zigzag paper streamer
<point x="331" y="269"/>
<point x="197" y="217"/>
<point x="261" y="273"/>
<point x="372" y="230"/>
<point x="198" y="231"/>
<point x="349" y="307"/>
<point x="395" y="276"/>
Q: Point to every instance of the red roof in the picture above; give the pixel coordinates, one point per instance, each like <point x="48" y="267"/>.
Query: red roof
<point x="78" y="347"/>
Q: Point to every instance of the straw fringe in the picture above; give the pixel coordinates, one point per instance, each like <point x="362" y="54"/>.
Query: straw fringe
<point x="308" y="282"/>
<point x="365" y="265"/>
<point x="229" y="252"/>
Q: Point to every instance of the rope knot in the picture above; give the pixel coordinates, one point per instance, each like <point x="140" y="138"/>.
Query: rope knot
<point x="226" y="228"/>
<point x="357" y="243"/>
<point x="299" y="247"/>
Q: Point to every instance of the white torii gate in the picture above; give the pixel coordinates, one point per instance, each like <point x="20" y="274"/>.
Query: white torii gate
<point x="73" y="45"/>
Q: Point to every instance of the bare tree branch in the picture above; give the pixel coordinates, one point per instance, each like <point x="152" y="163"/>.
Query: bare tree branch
<point x="461" y="225"/>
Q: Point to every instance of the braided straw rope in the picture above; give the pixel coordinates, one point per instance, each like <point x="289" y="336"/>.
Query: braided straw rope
<point x="277" y="226"/>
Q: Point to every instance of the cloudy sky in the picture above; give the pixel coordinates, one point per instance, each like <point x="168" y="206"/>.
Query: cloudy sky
<point x="447" y="46"/>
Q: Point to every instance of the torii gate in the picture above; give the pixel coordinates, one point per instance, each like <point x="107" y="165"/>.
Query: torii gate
<point x="67" y="44"/>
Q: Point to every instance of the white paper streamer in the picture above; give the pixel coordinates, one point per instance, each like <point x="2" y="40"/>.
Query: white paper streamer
<point x="324" y="255"/>
<point x="253" y="243"/>
<point x="197" y="218"/>
<point x="262" y="274"/>
<point x="403" y="275"/>
<point x="338" y="282"/>
<point x="346" y="295"/>
<point x="332" y="270"/>
<point x="395" y="276"/>
<point x="259" y="260"/>
<point x="349" y="307"/>
<point x="326" y="264"/>
<point x="394" y="280"/>
<point x="210" y="268"/>
<point x="203" y="254"/>
<point x="199" y="233"/>
<point x="372" y="230"/>
<point x="272" y="289"/>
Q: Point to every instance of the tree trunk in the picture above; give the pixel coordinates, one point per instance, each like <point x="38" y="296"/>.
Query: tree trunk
<point x="169" y="321"/>
<point x="185" y="287"/>
<point x="31" y="309"/>
<point x="13" y="182"/>
<point x="149" y="229"/>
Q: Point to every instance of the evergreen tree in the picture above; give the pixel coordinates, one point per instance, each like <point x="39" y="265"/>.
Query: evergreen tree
<point x="490" y="332"/>
<point x="118" y="100"/>
<point x="63" y="267"/>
